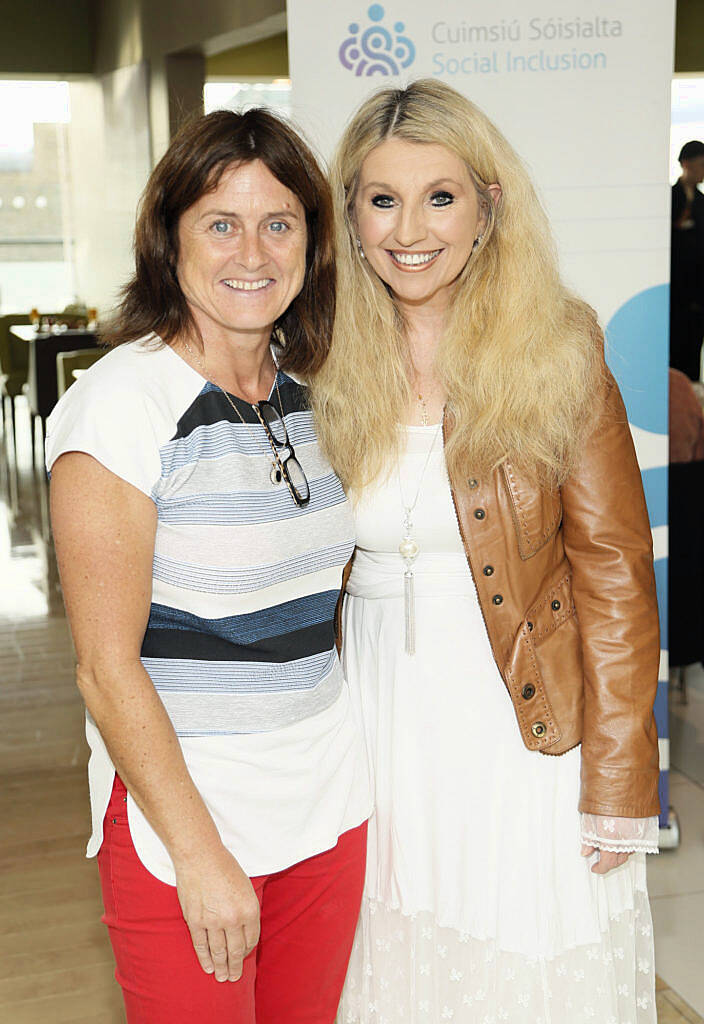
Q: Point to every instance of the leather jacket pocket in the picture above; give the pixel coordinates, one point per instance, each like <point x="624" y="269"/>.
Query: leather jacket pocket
<point x="536" y="511"/>
<point x="554" y="634"/>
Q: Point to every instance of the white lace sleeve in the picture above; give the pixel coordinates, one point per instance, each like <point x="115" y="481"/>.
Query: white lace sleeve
<point x="620" y="835"/>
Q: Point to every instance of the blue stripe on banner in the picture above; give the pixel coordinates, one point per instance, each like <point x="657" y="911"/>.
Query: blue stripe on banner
<point x="248" y="507"/>
<point x="218" y="580"/>
<point x="254" y="626"/>
<point x="172" y="675"/>
<point x="664" y="794"/>
<point x="661" y="709"/>
<point x="660" y="566"/>
<point x="655" y="487"/>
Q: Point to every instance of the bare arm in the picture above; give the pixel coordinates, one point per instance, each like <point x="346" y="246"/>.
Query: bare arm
<point x="104" y="532"/>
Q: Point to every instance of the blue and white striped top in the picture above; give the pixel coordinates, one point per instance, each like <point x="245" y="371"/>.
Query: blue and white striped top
<point x="239" y="643"/>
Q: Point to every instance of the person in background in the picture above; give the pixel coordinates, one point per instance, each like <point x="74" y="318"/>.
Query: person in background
<point x="686" y="420"/>
<point x="500" y="629"/>
<point x="687" y="263"/>
<point x="201" y="536"/>
<point x="685" y="499"/>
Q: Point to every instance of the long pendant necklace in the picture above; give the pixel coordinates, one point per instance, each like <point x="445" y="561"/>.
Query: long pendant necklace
<point x="276" y="474"/>
<point x="423" y="410"/>
<point x="409" y="549"/>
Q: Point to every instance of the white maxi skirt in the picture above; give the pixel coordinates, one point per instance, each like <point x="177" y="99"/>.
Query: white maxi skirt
<point x="478" y="906"/>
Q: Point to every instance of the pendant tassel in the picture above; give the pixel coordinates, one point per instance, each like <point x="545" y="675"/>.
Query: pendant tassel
<point x="410" y="611"/>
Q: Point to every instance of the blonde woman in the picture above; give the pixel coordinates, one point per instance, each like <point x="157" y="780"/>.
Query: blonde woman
<point x="501" y="604"/>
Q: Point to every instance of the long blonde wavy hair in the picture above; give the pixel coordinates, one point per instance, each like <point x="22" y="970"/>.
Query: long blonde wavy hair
<point x="519" y="357"/>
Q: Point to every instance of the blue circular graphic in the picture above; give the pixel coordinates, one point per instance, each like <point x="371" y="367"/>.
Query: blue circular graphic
<point x="375" y="50"/>
<point x="636" y="350"/>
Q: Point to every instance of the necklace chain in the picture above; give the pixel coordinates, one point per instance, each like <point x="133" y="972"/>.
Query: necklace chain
<point x="209" y="376"/>
<point x="277" y="467"/>
<point x="409" y="549"/>
<point x="406" y="507"/>
<point x="423" y="410"/>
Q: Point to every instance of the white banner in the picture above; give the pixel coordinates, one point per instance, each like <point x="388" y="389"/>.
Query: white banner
<point x="582" y="92"/>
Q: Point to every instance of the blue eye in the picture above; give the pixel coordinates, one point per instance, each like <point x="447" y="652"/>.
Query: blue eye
<point x="278" y="227"/>
<point x="383" y="202"/>
<point x="221" y="227"/>
<point x="442" y="198"/>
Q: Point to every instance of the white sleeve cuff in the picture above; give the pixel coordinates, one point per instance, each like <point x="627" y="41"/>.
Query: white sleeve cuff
<point x="620" y="835"/>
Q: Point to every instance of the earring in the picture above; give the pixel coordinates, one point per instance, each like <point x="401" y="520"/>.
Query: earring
<point x="361" y="250"/>
<point x="477" y="241"/>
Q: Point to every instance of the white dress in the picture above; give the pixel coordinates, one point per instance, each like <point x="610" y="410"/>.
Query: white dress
<point x="478" y="906"/>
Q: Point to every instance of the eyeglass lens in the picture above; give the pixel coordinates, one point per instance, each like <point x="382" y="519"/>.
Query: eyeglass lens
<point x="297" y="477"/>
<point x="274" y="422"/>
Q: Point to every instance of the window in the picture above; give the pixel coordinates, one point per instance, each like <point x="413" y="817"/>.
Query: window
<point x="687" y="117"/>
<point x="275" y="93"/>
<point x="36" y="265"/>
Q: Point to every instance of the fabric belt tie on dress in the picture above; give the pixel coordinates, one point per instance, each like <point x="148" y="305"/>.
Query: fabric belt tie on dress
<point x="377" y="575"/>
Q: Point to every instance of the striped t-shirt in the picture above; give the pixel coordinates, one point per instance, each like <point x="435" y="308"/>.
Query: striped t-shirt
<point x="239" y="643"/>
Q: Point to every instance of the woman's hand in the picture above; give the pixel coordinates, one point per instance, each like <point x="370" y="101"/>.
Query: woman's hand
<point x="608" y="860"/>
<point x="616" y="839"/>
<point x="221" y="910"/>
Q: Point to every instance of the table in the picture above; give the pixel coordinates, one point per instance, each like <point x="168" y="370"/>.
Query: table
<point x="41" y="388"/>
<point x="25" y="332"/>
<point x="42" y="392"/>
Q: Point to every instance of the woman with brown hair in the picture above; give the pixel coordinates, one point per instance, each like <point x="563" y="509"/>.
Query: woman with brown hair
<point x="201" y="536"/>
<point x="500" y="630"/>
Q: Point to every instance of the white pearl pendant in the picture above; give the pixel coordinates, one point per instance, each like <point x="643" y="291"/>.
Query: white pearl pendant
<point x="408" y="549"/>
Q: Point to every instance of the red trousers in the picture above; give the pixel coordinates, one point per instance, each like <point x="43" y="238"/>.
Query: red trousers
<point x="294" y="976"/>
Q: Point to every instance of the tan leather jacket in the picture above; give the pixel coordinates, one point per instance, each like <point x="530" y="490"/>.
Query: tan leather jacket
<point x="566" y="586"/>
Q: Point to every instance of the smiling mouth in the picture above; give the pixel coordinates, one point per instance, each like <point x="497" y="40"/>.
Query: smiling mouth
<point x="413" y="260"/>
<point x="248" y="286"/>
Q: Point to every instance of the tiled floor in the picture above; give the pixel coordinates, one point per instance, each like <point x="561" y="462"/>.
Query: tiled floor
<point x="55" y="959"/>
<point x="687" y="725"/>
<point x="676" y="877"/>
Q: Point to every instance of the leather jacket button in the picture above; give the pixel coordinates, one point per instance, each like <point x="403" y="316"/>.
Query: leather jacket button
<point x="497" y="599"/>
<point x="556" y="606"/>
<point x="479" y="513"/>
<point x="473" y="483"/>
<point x="488" y="570"/>
<point x="538" y="729"/>
<point x="528" y="691"/>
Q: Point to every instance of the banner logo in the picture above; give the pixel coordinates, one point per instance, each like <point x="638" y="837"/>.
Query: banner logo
<point x="375" y="50"/>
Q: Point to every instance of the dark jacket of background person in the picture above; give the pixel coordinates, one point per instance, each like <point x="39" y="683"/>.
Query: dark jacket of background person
<point x="686" y="283"/>
<point x="686" y="500"/>
<point x="686" y="420"/>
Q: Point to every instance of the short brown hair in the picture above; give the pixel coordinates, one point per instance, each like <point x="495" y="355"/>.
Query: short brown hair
<point x="152" y="301"/>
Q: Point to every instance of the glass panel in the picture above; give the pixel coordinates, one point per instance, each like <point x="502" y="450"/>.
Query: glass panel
<point x="687" y="118"/>
<point x="243" y="93"/>
<point x="36" y="264"/>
